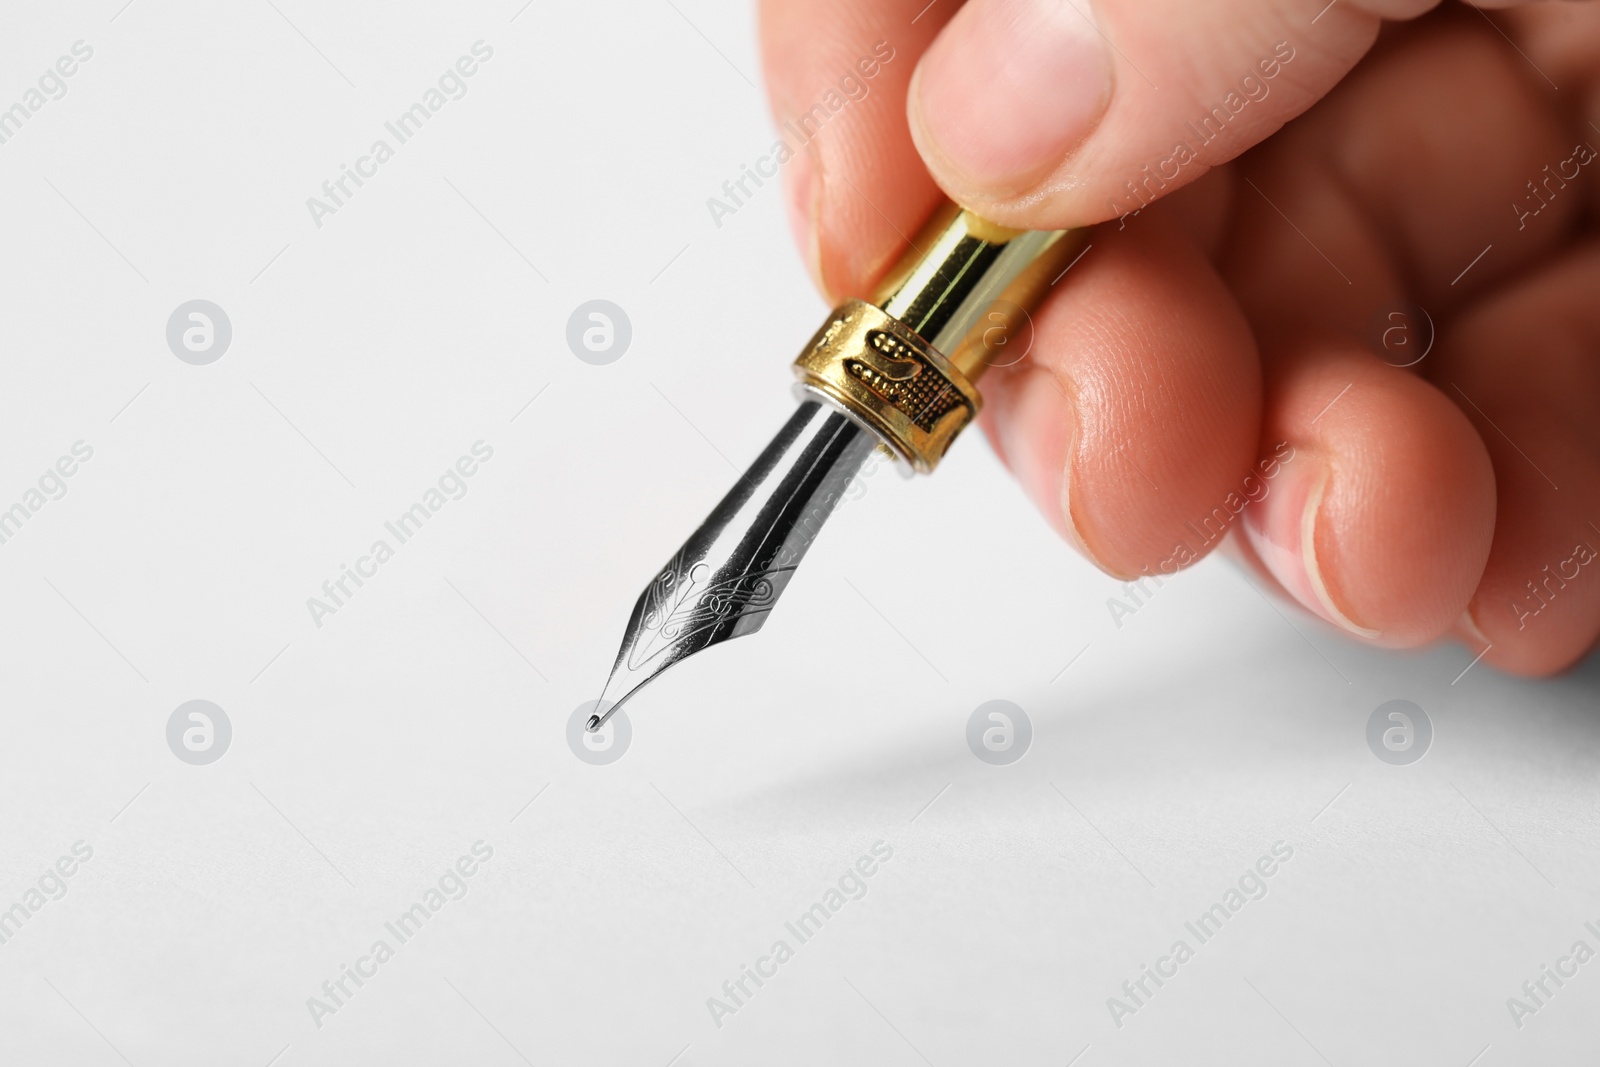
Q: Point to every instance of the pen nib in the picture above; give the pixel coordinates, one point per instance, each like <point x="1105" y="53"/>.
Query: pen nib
<point x="727" y="576"/>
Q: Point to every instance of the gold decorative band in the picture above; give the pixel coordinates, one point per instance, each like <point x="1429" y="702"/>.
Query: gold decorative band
<point x="907" y="362"/>
<point x="878" y="369"/>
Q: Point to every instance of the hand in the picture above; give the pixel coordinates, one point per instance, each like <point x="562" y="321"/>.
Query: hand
<point x="1234" y="351"/>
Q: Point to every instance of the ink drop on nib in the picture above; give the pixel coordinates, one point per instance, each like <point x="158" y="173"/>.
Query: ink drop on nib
<point x="593" y="724"/>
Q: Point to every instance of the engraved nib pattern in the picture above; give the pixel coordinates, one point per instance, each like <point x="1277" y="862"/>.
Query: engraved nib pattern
<point x="892" y="369"/>
<point x="725" y="579"/>
<point x="687" y="609"/>
<point x="685" y="602"/>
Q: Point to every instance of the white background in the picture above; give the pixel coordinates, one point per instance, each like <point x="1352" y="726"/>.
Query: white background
<point x="371" y="752"/>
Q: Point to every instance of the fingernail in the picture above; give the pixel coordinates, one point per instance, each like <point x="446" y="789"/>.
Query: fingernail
<point x="800" y="197"/>
<point x="1282" y="528"/>
<point x="1004" y="98"/>
<point x="1039" y="442"/>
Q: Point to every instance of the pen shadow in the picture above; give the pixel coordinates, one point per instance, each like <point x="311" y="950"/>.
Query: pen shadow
<point x="1252" y="725"/>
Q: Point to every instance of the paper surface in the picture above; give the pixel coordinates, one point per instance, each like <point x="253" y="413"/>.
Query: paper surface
<point x="379" y="351"/>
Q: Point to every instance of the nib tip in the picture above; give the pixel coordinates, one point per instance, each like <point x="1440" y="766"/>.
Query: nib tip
<point x="594" y="722"/>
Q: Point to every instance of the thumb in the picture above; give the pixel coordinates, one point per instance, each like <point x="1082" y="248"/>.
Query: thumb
<point x="1052" y="113"/>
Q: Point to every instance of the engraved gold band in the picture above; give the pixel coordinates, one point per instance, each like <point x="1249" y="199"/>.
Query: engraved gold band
<point x="906" y="364"/>
<point x="866" y="361"/>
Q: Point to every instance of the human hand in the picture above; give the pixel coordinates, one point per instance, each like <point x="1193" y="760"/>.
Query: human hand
<point x="1259" y="344"/>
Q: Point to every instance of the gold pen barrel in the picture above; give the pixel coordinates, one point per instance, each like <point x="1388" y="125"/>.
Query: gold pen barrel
<point x="965" y="278"/>
<point x="907" y="363"/>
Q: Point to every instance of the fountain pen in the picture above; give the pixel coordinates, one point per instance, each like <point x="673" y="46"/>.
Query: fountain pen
<point x="897" y="374"/>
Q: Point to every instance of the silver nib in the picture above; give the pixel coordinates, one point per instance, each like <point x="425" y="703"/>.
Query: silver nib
<point x="730" y="572"/>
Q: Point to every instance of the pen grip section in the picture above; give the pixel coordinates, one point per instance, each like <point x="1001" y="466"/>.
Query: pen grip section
<point x="968" y="286"/>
